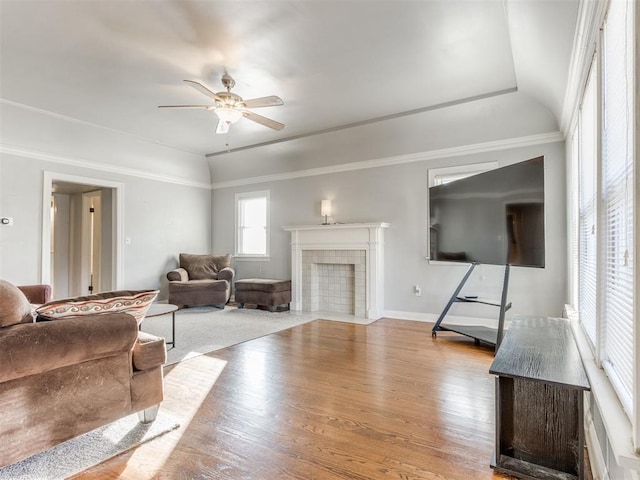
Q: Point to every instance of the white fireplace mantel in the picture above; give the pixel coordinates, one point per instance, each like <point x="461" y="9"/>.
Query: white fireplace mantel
<point x="344" y="236"/>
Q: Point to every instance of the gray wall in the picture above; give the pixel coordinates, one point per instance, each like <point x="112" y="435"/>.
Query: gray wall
<point x="167" y="200"/>
<point x="398" y="194"/>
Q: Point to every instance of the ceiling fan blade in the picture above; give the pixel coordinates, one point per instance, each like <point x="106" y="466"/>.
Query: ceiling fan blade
<point x="202" y="89"/>
<point x="267" y="122"/>
<point x="223" y="127"/>
<point x="271" y="101"/>
<point x="208" y="107"/>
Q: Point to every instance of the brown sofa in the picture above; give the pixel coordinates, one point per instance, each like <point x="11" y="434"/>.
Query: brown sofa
<point x="62" y="378"/>
<point x="201" y="280"/>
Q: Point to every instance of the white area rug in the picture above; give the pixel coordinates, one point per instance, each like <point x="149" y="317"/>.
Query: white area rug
<point x="201" y="330"/>
<point x="80" y="453"/>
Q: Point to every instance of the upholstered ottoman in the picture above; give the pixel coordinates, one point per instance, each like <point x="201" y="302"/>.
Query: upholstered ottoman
<point x="263" y="292"/>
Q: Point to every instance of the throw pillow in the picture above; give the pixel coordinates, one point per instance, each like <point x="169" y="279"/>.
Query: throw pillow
<point x="14" y="306"/>
<point x="135" y="303"/>
<point x="204" y="267"/>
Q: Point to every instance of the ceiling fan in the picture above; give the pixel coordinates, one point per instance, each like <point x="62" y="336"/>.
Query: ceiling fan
<point x="230" y="107"/>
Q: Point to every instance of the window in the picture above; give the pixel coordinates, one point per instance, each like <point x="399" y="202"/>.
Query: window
<point x="587" y="207"/>
<point x="444" y="175"/>
<point x="605" y="208"/>
<point x="252" y="224"/>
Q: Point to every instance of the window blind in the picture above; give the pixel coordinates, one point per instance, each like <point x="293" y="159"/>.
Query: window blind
<point x="573" y="200"/>
<point x="253" y="224"/>
<point x="587" y="209"/>
<point x="617" y="201"/>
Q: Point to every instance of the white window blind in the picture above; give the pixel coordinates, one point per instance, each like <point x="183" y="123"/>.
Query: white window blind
<point x="252" y="224"/>
<point x="617" y="200"/>
<point x="587" y="208"/>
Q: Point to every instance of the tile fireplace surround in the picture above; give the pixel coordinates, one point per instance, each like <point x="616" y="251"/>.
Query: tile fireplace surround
<point x="339" y="268"/>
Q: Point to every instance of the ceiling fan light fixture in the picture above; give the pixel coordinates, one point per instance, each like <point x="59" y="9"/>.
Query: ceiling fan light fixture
<point x="228" y="115"/>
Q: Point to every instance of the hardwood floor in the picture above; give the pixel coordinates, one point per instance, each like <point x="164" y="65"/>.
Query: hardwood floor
<point x="326" y="400"/>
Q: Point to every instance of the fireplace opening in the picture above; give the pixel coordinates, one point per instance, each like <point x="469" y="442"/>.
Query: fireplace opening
<point x="334" y="281"/>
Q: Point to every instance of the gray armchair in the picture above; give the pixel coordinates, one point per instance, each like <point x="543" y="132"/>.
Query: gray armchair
<point x="201" y="280"/>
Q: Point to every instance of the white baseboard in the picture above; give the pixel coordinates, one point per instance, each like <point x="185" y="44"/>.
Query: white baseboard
<point x="596" y="459"/>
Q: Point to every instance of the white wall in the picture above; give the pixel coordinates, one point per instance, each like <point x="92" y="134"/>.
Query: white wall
<point x="167" y="200"/>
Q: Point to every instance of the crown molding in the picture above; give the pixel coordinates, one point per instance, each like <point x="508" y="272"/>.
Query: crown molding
<point x="471" y="149"/>
<point x="78" y="162"/>
<point x="67" y="118"/>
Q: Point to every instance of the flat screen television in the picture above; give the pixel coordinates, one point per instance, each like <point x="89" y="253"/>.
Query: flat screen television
<point x="495" y="217"/>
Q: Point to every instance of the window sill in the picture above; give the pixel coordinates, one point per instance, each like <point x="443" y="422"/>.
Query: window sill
<point x="252" y="258"/>
<point x="615" y="420"/>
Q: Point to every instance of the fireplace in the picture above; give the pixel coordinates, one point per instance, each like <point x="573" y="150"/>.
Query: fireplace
<point x="338" y="268"/>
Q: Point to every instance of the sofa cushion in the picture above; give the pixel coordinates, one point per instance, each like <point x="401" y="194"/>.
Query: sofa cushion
<point x="15" y="308"/>
<point x="207" y="285"/>
<point x="203" y="267"/>
<point x="149" y="351"/>
<point x="134" y="302"/>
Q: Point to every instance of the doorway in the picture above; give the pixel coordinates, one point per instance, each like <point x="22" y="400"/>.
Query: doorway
<point x="81" y="235"/>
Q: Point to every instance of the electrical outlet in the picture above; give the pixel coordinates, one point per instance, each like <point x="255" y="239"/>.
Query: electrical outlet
<point x="417" y="290"/>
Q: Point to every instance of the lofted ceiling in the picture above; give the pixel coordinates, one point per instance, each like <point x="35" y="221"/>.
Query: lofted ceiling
<point x="334" y="63"/>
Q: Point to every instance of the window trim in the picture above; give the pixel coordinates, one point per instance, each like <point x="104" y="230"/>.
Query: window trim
<point x="239" y="197"/>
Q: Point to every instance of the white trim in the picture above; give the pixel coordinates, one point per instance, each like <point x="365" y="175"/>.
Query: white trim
<point x="252" y="258"/>
<point x="615" y="420"/>
<point x="79" y="162"/>
<point x="118" y="233"/>
<point x="471" y="149"/>
<point x="596" y="458"/>
<point x="93" y="125"/>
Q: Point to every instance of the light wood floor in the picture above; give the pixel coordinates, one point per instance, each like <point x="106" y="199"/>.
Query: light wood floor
<point x="326" y="400"/>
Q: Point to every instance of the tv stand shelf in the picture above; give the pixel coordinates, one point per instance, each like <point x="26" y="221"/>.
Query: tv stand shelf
<point x="478" y="332"/>
<point x="492" y="336"/>
<point x="483" y="301"/>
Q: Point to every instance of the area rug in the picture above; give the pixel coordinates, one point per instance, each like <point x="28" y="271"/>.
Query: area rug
<point x="85" y="451"/>
<point x="202" y="330"/>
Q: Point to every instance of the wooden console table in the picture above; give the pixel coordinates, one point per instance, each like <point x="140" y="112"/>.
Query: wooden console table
<point x="539" y="406"/>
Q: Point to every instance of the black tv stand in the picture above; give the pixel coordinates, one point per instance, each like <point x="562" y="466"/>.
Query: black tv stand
<point x="492" y="336"/>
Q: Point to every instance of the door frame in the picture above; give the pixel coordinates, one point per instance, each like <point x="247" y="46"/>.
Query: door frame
<point x="117" y="230"/>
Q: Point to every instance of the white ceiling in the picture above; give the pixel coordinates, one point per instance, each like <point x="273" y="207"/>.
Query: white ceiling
<point x="111" y="63"/>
